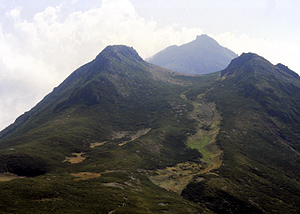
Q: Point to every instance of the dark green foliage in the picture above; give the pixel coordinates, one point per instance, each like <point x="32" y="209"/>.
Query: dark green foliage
<point x="116" y="92"/>
<point x="23" y="165"/>
<point x="217" y="200"/>
<point x="140" y="117"/>
<point x="260" y="125"/>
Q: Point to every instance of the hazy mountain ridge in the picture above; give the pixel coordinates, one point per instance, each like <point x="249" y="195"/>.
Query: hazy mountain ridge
<point x="201" y="56"/>
<point x="95" y="142"/>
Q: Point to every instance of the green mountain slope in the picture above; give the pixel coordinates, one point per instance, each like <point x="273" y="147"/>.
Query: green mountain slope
<point x="120" y="135"/>
<point x="201" y="56"/>
<point x="259" y="137"/>
<point x="93" y="139"/>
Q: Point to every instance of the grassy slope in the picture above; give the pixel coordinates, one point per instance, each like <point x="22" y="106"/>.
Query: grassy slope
<point x="111" y="106"/>
<point x="260" y="168"/>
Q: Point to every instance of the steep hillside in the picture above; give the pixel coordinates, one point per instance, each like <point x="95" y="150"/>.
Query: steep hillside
<point x="89" y="144"/>
<point x="259" y="136"/>
<point x="120" y="135"/>
<point x="201" y="56"/>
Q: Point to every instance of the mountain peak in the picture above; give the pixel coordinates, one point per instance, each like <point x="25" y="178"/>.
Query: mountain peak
<point x="249" y="55"/>
<point x="205" y="38"/>
<point x="253" y="64"/>
<point x="205" y="42"/>
<point x="119" y="52"/>
<point x="201" y="56"/>
<point x="246" y="60"/>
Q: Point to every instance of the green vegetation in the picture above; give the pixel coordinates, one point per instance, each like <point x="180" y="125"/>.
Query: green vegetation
<point x="259" y="170"/>
<point x="122" y="136"/>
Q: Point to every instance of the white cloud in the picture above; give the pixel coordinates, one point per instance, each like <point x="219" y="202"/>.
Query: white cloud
<point x="273" y="50"/>
<point x="41" y="52"/>
<point x="15" y="13"/>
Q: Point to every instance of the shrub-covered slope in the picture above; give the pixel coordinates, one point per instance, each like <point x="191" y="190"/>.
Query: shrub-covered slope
<point x="120" y="135"/>
<point x="259" y="137"/>
<point x="89" y="144"/>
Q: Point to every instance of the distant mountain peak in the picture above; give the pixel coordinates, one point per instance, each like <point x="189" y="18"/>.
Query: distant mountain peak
<point x="201" y="56"/>
<point x="203" y="38"/>
<point x="119" y="52"/>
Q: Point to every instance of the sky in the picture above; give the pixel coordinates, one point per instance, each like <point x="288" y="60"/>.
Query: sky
<point x="44" y="41"/>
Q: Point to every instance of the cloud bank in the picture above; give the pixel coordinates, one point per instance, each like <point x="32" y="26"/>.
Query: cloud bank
<point x="283" y="51"/>
<point x="38" y="53"/>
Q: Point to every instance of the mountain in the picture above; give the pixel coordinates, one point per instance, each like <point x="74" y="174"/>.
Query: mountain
<point x="201" y="56"/>
<point x="90" y="145"/>
<point x="121" y="135"/>
<point x="259" y="136"/>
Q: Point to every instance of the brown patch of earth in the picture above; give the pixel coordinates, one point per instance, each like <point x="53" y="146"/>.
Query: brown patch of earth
<point x="76" y="159"/>
<point x="176" y="178"/>
<point x="93" y="145"/>
<point x="89" y="175"/>
<point x="122" y="144"/>
<point x="6" y="176"/>
<point x="85" y="175"/>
